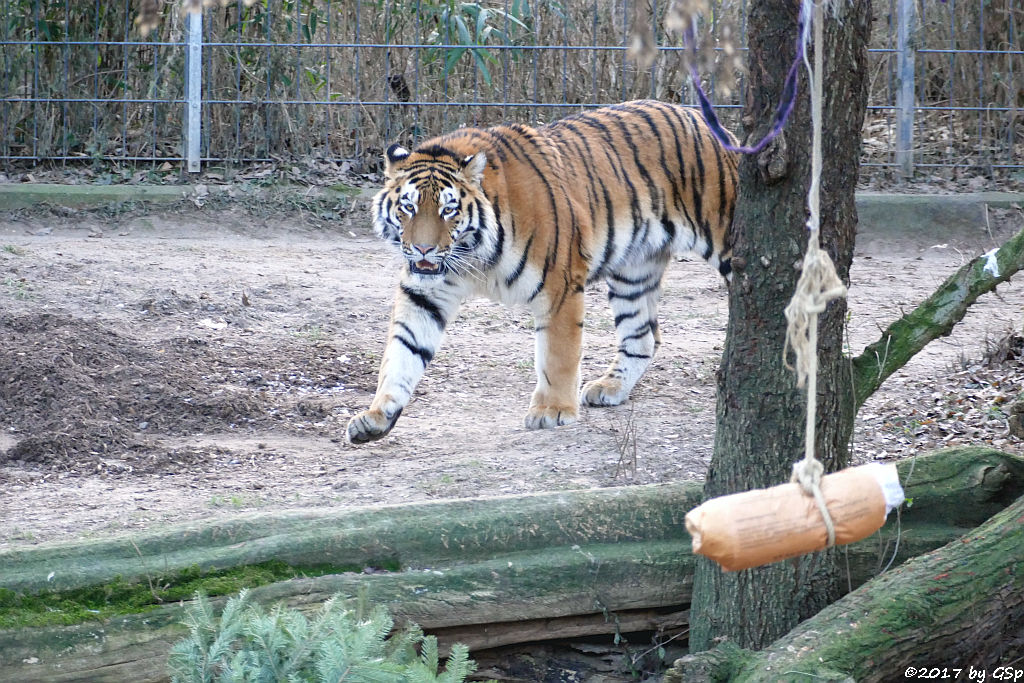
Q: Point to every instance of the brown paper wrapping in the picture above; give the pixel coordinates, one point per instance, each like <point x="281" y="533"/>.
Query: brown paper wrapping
<point x="767" y="525"/>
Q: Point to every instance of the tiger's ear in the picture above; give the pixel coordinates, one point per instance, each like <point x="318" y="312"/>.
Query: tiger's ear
<point x="394" y="154"/>
<point x="473" y="167"/>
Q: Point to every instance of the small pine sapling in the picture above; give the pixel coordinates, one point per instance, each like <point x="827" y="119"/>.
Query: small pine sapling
<point x="248" y="643"/>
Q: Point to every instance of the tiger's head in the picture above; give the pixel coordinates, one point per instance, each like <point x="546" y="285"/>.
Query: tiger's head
<point x="433" y="208"/>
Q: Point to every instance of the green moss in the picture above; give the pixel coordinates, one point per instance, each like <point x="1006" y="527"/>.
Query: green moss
<point x="118" y="597"/>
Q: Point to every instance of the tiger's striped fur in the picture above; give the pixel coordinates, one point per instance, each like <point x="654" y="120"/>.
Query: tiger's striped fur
<point x="530" y="216"/>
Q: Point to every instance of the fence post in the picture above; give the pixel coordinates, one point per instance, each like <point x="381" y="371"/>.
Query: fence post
<point x="193" y="89"/>
<point x="905" y="45"/>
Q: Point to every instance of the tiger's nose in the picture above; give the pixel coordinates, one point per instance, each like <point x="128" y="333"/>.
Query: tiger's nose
<point x="424" y="249"/>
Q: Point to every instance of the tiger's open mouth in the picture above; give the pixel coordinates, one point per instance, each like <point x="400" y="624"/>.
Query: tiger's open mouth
<point x="425" y="267"/>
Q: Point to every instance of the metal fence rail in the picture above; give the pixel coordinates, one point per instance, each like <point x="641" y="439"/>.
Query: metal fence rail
<point x="339" y="79"/>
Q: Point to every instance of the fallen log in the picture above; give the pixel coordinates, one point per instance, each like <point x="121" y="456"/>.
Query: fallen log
<point x="553" y="582"/>
<point x="956" y="612"/>
<point x="486" y="636"/>
<point x="533" y="567"/>
<point x="393" y="537"/>
<point x="948" y="493"/>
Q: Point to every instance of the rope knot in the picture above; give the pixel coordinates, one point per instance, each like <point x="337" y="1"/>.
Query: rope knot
<point x="808" y="473"/>
<point x="818" y="284"/>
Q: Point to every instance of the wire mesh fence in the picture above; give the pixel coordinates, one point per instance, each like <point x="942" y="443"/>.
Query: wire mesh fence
<point x="340" y="79"/>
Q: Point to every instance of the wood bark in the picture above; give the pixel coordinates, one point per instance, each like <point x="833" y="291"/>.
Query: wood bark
<point x="759" y="406"/>
<point x="956" y="610"/>
<point x="487" y="592"/>
<point x="935" y="316"/>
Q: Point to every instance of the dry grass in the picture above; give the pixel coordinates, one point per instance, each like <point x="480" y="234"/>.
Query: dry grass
<point x="262" y="92"/>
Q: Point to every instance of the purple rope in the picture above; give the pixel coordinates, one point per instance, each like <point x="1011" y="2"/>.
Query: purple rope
<point x="786" y="103"/>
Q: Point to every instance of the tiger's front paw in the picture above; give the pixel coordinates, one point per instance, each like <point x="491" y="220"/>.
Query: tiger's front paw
<point x="606" y="391"/>
<point x="546" y="417"/>
<point x="370" y="425"/>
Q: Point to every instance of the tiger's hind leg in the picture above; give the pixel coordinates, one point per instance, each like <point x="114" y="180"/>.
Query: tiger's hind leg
<point x="633" y="293"/>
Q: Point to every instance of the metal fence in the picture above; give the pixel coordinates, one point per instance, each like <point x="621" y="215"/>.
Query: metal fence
<point x="339" y="79"/>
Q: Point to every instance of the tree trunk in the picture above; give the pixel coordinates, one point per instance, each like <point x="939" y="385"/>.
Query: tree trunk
<point x="951" y="614"/>
<point x="758" y="402"/>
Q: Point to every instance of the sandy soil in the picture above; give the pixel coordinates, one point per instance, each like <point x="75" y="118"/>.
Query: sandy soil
<point x="182" y="363"/>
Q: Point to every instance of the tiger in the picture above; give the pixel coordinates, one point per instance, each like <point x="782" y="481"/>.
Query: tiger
<point x="530" y="216"/>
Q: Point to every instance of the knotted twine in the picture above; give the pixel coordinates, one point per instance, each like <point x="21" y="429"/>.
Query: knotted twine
<point x="818" y="284"/>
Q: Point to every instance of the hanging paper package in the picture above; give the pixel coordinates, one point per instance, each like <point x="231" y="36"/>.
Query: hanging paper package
<point x="767" y="525"/>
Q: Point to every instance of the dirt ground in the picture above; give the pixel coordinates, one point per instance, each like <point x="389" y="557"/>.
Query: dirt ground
<point x="171" y="364"/>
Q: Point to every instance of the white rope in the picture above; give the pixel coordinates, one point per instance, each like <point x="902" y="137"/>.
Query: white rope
<point x="818" y="283"/>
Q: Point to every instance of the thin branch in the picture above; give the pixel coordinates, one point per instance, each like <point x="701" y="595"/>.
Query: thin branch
<point x="935" y="317"/>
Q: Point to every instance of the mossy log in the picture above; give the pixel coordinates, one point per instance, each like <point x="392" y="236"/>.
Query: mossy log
<point x="380" y="537"/>
<point x="552" y="582"/>
<point x="515" y="568"/>
<point x="955" y="610"/>
<point x="934" y="317"/>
